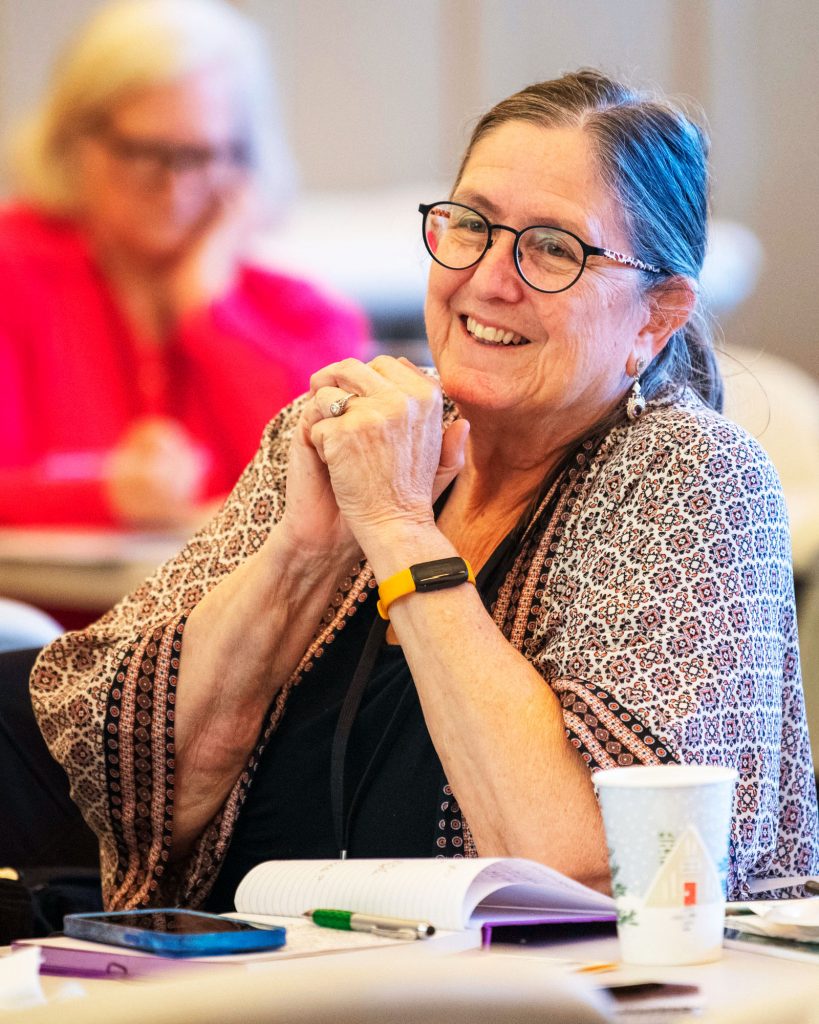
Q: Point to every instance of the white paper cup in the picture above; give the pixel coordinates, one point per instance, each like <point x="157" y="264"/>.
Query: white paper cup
<point x="667" y="829"/>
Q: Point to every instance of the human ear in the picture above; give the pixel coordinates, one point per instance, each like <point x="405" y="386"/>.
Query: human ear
<point x="669" y="306"/>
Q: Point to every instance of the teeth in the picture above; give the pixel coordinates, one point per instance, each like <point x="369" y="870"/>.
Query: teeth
<point x="496" y="335"/>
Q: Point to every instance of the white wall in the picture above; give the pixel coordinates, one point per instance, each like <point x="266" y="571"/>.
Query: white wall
<point x="381" y="92"/>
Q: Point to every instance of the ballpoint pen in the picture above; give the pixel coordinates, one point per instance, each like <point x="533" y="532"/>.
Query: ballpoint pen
<point x="389" y="927"/>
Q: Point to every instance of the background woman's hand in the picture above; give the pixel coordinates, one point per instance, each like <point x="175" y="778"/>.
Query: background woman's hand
<point x="207" y="268"/>
<point x="155" y="475"/>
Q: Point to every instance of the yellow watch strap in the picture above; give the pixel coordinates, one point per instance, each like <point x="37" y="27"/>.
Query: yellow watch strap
<point x="392" y="588"/>
<point x="402" y="583"/>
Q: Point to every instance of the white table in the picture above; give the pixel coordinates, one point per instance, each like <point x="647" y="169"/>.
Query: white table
<point x="412" y="984"/>
<point x="741" y="979"/>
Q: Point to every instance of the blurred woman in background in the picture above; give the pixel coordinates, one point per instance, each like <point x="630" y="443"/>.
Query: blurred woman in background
<point x="140" y="353"/>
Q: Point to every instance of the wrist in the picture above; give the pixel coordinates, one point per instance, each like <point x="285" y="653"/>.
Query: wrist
<point x="399" y="545"/>
<point x="423" y="577"/>
<point x="186" y="307"/>
<point x="193" y="295"/>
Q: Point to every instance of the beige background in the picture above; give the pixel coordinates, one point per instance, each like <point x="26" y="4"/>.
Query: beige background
<point x="380" y="93"/>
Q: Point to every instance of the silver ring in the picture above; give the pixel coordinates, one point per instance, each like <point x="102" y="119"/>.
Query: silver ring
<point x="339" y="407"/>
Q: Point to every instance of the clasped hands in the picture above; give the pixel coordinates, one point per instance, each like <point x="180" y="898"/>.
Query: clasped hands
<point x="375" y="468"/>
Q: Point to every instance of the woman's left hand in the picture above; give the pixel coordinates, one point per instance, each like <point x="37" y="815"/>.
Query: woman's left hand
<point x="387" y="455"/>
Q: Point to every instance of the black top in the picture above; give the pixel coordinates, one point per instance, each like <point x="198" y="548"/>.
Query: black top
<point x="288" y="815"/>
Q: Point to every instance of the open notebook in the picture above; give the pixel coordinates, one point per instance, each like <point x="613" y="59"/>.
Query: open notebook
<point x="450" y="893"/>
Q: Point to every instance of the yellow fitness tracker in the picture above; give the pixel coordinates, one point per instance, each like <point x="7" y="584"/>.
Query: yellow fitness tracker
<point x="436" y="575"/>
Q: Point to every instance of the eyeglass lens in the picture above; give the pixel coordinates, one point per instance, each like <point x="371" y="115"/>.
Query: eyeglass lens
<point x="147" y="160"/>
<point x="457" y="237"/>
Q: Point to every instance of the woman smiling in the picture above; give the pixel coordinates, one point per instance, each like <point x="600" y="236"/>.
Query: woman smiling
<point x="576" y="561"/>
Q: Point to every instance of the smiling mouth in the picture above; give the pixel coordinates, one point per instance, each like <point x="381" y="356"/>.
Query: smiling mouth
<point x="495" y="336"/>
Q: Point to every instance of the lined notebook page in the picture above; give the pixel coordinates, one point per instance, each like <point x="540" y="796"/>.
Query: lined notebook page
<point x="442" y="891"/>
<point x="517" y="889"/>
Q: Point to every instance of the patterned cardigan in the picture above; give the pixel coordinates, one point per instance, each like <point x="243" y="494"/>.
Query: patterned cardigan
<point x="656" y="601"/>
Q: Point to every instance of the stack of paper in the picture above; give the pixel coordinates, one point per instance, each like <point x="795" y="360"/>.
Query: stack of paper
<point x="781" y="927"/>
<point x="785" y="919"/>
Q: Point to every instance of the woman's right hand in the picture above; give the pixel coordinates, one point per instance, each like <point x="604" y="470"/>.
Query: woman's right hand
<point x="312" y="525"/>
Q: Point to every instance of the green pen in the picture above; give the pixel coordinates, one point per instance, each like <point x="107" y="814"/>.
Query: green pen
<point x="389" y="927"/>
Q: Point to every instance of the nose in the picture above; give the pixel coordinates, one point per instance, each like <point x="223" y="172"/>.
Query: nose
<point x="496" y="276"/>
<point x="181" y="188"/>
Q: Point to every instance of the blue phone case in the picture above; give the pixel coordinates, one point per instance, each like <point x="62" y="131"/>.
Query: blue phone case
<point x="95" y="928"/>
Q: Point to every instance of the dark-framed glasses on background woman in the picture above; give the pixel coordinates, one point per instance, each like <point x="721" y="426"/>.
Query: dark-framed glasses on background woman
<point x="146" y="161"/>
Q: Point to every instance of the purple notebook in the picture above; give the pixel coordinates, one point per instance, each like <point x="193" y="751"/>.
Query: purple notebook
<point x="78" y="959"/>
<point x="549" y="928"/>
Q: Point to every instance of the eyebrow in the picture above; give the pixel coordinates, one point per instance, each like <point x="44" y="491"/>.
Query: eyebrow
<point x="487" y="207"/>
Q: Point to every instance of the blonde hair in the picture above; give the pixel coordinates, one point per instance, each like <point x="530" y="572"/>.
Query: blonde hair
<point x="132" y="45"/>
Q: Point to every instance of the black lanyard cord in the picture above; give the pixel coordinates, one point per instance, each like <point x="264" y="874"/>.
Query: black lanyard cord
<point x="372" y="764"/>
<point x="488" y="583"/>
<point x="346" y="718"/>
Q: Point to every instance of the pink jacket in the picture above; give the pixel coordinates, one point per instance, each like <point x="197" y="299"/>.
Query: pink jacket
<point x="73" y="376"/>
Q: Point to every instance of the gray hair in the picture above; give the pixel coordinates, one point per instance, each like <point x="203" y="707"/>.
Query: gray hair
<point x="654" y="160"/>
<point x="136" y="44"/>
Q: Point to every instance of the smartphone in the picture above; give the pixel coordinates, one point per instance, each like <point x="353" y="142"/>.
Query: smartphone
<point x="173" y="932"/>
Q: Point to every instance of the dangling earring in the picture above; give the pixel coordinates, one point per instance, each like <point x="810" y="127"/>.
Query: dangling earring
<point x="636" y="404"/>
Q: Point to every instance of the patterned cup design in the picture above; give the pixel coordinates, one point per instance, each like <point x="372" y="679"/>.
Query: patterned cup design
<point x="667" y="830"/>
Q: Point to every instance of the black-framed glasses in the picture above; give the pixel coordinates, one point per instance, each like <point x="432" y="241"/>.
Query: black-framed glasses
<point x="147" y="159"/>
<point x="549" y="259"/>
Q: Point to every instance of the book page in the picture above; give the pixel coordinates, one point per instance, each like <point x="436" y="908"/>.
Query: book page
<point x="517" y="889"/>
<point x="441" y="891"/>
<point x="415" y="889"/>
